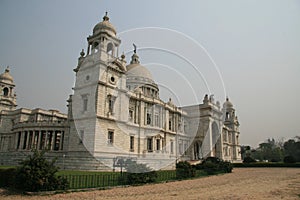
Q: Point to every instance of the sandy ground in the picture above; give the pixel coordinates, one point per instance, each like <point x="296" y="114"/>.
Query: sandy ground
<point x="249" y="183"/>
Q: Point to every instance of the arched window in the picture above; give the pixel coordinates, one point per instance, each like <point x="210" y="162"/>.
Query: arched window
<point x="5" y="91"/>
<point x="110" y="48"/>
<point x="95" y="47"/>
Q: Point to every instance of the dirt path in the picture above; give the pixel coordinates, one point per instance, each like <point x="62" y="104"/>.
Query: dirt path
<point x="259" y="183"/>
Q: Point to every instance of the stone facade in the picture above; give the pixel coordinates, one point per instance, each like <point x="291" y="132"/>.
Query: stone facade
<point x="116" y="112"/>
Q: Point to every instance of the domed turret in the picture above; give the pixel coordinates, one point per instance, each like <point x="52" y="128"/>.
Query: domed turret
<point x="6" y="77"/>
<point x="105" y="26"/>
<point x="7" y="93"/>
<point x="227" y="104"/>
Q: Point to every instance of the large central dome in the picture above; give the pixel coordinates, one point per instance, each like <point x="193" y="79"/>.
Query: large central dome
<point x="139" y="76"/>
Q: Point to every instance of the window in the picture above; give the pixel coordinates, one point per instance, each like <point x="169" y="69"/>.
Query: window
<point x="185" y="149"/>
<point x="157" y="144"/>
<point x="148" y="118"/>
<point x="5" y="91"/>
<point x="130" y="115"/>
<point x="180" y="149"/>
<point x="156" y="120"/>
<point x="149" y="144"/>
<point x="110" y="137"/>
<point x="131" y="143"/>
<point x="85" y="103"/>
<point x="170" y="125"/>
<point x="110" y="48"/>
<point x="111" y="102"/>
<point x="172" y="147"/>
<point x="227" y="115"/>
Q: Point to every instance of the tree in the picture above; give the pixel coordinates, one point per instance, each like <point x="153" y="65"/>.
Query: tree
<point x="269" y="150"/>
<point x="292" y="148"/>
<point x="38" y="174"/>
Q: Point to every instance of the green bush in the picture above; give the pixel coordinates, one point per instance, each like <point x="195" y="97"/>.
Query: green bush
<point x="226" y="167"/>
<point x="211" y="168"/>
<point x="213" y="165"/>
<point x="184" y="170"/>
<point x="138" y="173"/>
<point x="38" y="174"/>
<point x="289" y="159"/>
<point x="249" y="160"/>
<point x="7" y="177"/>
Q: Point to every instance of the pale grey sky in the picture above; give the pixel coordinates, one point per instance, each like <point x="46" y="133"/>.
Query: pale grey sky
<point x="255" y="44"/>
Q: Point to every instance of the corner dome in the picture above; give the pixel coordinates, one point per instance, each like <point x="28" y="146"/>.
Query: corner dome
<point x="105" y="26"/>
<point x="227" y="104"/>
<point x="6" y="77"/>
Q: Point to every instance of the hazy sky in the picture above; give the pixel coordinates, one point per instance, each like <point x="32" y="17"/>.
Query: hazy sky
<point x="255" y="44"/>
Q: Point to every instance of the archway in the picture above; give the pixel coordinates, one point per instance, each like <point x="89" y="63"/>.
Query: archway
<point x="215" y="137"/>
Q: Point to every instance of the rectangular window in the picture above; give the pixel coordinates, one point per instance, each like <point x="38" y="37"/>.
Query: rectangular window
<point x="185" y="149"/>
<point x="148" y="118"/>
<point x="110" y="137"/>
<point x="111" y="102"/>
<point x="180" y="149"/>
<point x="131" y="115"/>
<point x="157" y="144"/>
<point x="149" y="145"/>
<point x="85" y="103"/>
<point x="156" y="120"/>
<point x="172" y="147"/>
<point x="131" y="143"/>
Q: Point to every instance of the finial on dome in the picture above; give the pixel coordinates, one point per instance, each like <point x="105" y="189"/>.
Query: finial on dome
<point x="7" y="69"/>
<point x="134" y="57"/>
<point x="134" y="48"/>
<point x="105" y="18"/>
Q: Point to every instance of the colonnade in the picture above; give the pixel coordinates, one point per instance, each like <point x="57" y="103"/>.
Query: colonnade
<point x="39" y="139"/>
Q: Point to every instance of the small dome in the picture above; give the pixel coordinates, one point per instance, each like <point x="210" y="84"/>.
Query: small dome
<point x="106" y="26"/>
<point x="6" y="77"/>
<point x="227" y="104"/>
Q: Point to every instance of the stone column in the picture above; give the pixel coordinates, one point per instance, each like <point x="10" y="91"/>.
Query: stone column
<point x="39" y="139"/>
<point x="16" y="140"/>
<point x="27" y="140"/>
<point x="46" y="140"/>
<point x="53" y="140"/>
<point x="61" y="142"/>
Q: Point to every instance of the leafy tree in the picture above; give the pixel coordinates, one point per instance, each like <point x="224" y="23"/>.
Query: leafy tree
<point x="292" y="148"/>
<point x="38" y="174"/>
<point x="269" y="150"/>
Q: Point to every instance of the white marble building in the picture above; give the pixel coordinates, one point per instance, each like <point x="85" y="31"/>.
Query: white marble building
<point x="115" y="112"/>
